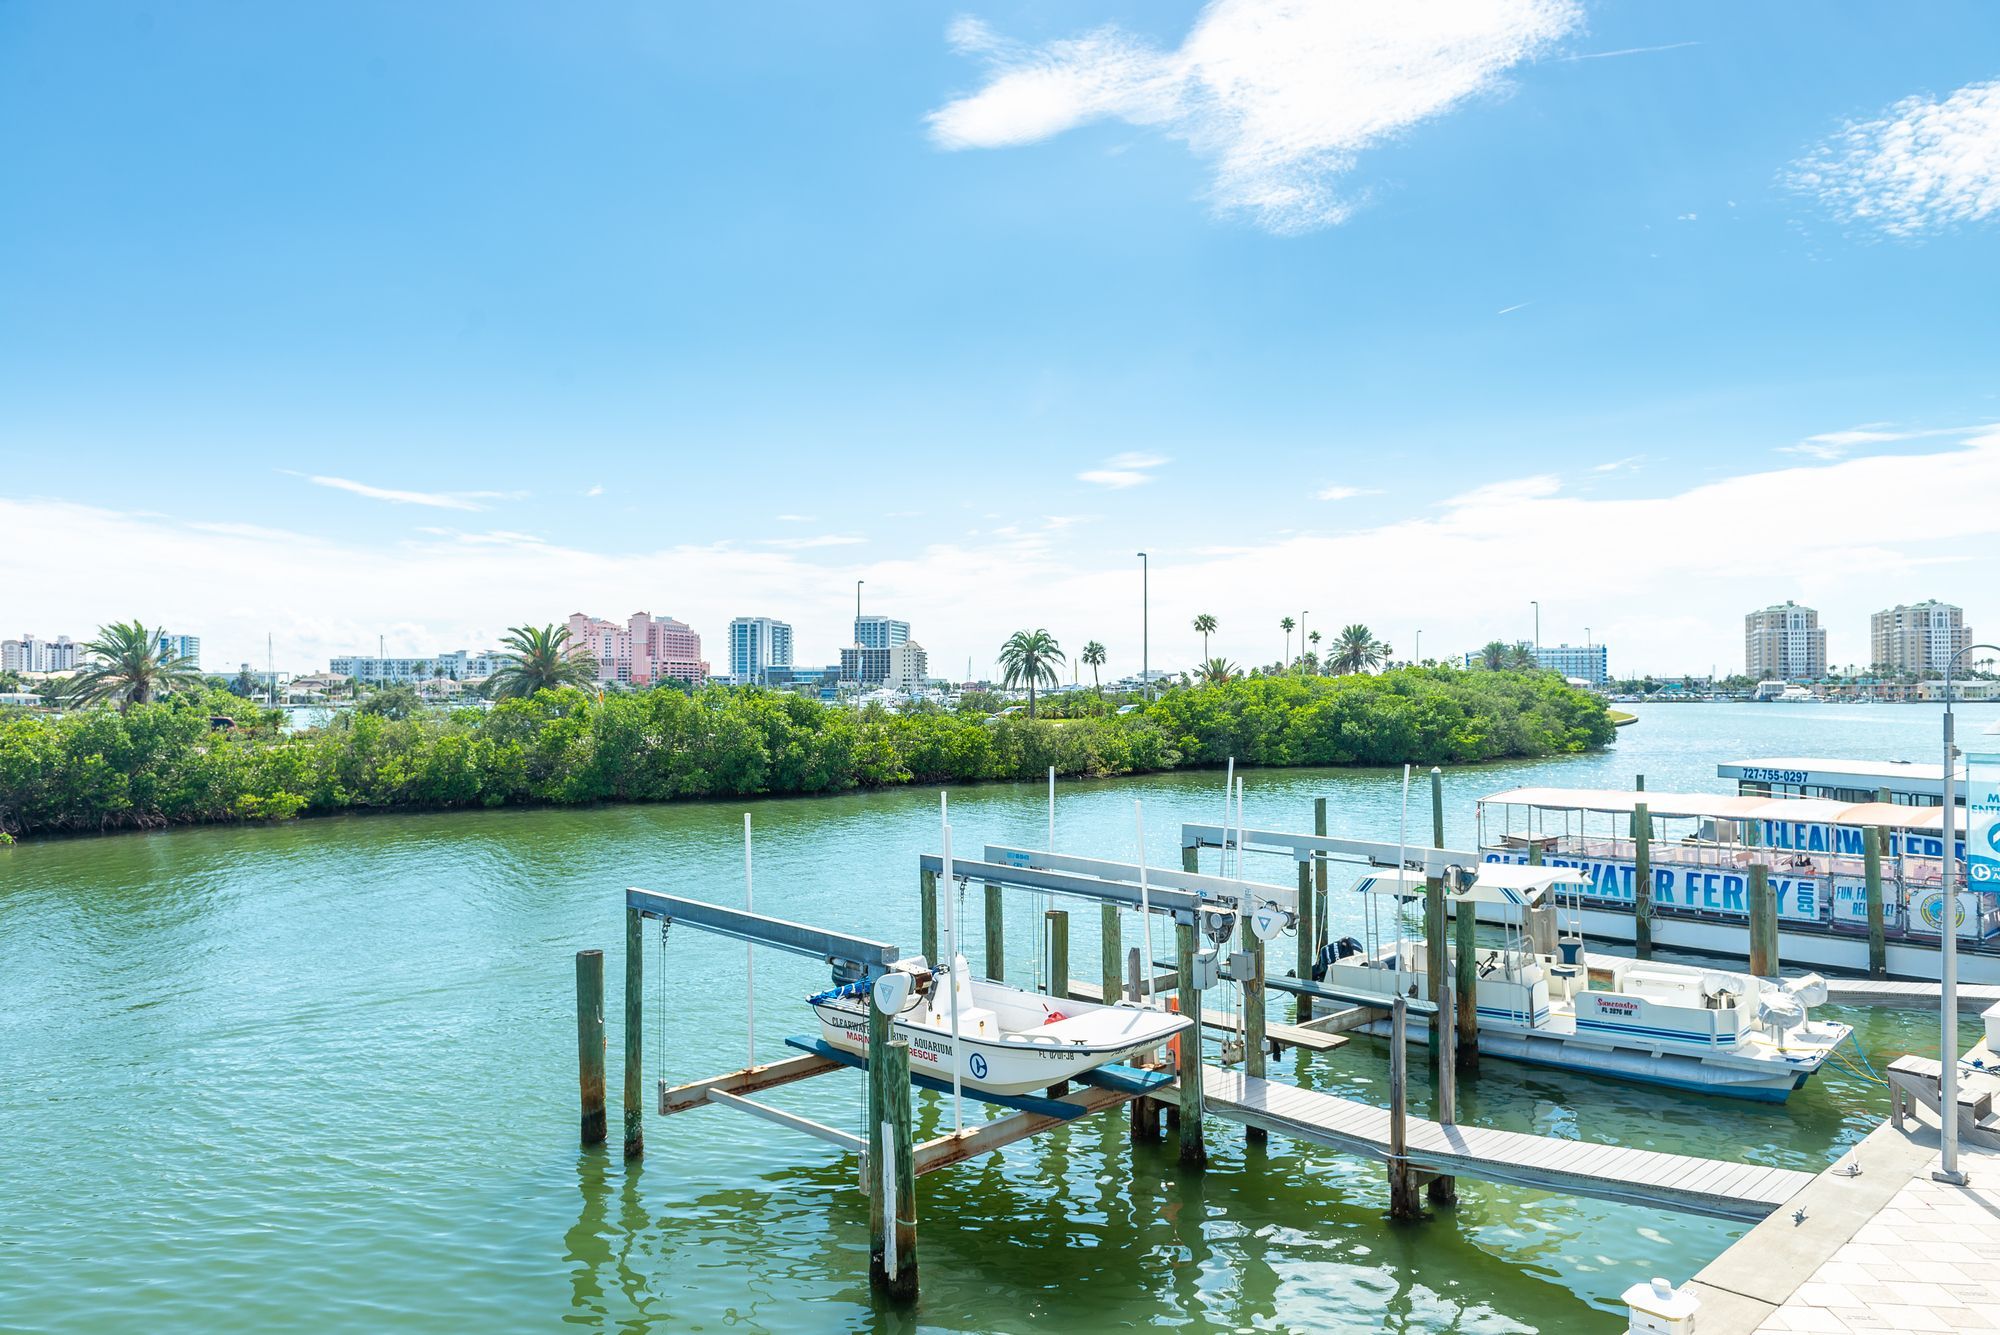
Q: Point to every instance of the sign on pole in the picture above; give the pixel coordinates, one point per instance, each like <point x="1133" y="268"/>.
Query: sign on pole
<point x="1982" y="823"/>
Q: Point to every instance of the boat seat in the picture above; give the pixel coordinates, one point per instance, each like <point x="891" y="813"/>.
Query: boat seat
<point x="973" y="1021"/>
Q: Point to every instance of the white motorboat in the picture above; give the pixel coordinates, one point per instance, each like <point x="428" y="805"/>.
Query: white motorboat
<point x="1013" y="1041"/>
<point x="1544" y="1001"/>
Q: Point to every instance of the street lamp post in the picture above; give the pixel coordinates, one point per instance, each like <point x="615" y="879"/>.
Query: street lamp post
<point x="1948" y="1170"/>
<point x="1417" y="659"/>
<point x="1302" y="645"/>
<point x="1145" y="627"/>
<point x="1536" y="603"/>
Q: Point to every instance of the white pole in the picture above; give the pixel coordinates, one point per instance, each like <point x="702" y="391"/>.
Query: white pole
<point x="1402" y="863"/>
<point x="749" y="951"/>
<point x="1052" y="808"/>
<point x="889" y="1197"/>
<point x="1145" y="902"/>
<point x="951" y="963"/>
<point x="1948" y="959"/>
<point x="1228" y="792"/>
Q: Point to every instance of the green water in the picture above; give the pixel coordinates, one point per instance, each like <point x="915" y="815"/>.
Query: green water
<point x="323" y="1075"/>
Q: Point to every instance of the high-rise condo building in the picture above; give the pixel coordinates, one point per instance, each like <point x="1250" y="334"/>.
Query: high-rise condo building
<point x="184" y="647"/>
<point x="29" y="654"/>
<point x="645" y="650"/>
<point x="1783" y="642"/>
<point x="1920" y="638"/>
<point x="873" y="632"/>
<point x="756" y="645"/>
<point x="1585" y="662"/>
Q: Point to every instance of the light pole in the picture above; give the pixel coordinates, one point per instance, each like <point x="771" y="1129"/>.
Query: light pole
<point x="1145" y="627"/>
<point x="1418" y="658"/>
<point x="1302" y="645"/>
<point x="1948" y="1170"/>
<point x="857" y="642"/>
<point x="1536" y="604"/>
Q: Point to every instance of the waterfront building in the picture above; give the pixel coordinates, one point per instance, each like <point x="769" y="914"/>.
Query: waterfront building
<point x="184" y="647"/>
<point x="1919" y="639"/>
<point x="454" y="665"/>
<point x="877" y="632"/>
<point x="868" y="666"/>
<point x="1784" y="642"/>
<point x="756" y="646"/>
<point x="29" y="654"/>
<point x="644" y="650"/>
<point x="1589" y="662"/>
<point x="909" y="667"/>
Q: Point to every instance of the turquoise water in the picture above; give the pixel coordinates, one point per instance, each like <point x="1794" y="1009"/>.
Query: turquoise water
<point x="323" y="1074"/>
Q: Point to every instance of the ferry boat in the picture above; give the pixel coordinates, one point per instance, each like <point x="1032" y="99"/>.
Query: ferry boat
<point x="1545" y="1002"/>
<point x="1013" y="1041"/>
<point x="1805" y="819"/>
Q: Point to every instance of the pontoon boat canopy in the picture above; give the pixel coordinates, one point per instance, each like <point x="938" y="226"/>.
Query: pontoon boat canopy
<point x="1498" y="883"/>
<point x="1720" y="806"/>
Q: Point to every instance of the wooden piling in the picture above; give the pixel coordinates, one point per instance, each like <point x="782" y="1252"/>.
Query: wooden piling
<point x="1110" y="954"/>
<point x="1878" y="944"/>
<point x="892" y="1252"/>
<point x="1435" y="953"/>
<point x="927" y="895"/>
<point x="635" y="1030"/>
<point x="1402" y="1184"/>
<point x="1443" y="1189"/>
<point x="1194" y="1154"/>
<point x="1055" y="927"/>
<point x="1190" y="857"/>
<point x="1254" y="1042"/>
<point x="1465" y="989"/>
<point x="1763" y="923"/>
<point x="1642" y="882"/>
<point x="590" y="1042"/>
<point x="996" y="943"/>
<point x="1305" y="937"/>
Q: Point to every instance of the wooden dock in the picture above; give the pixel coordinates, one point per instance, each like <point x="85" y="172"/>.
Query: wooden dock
<point x="1681" y="1182"/>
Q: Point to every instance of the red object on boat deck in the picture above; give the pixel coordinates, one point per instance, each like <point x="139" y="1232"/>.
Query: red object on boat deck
<point x="1053" y="1016"/>
<point x="1174" y="1043"/>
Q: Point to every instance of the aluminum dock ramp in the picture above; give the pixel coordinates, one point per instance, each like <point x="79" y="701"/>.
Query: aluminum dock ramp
<point x="1578" y="1168"/>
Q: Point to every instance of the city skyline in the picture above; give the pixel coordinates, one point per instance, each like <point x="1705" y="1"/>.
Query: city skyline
<point x="1647" y="284"/>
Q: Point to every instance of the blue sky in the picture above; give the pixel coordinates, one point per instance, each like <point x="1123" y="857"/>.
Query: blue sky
<point x="421" y="321"/>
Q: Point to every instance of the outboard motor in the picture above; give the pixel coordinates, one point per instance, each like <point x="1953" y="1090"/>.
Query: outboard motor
<point x="1332" y="954"/>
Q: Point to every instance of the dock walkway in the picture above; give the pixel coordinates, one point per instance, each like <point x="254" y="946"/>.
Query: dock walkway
<point x="1578" y="1168"/>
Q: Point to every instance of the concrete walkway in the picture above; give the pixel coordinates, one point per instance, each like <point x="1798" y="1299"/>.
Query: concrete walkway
<point x="1886" y="1250"/>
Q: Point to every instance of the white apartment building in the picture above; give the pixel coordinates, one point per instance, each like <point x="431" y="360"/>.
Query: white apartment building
<point x="909" y="667"/>
<point x="455" y="665"/>
<point x="29" y="654"/>
<point x="757" y="645"/>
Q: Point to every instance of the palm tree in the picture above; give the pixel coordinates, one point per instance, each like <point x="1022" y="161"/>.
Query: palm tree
<point x="1217" y="671"/>
<point x="1314" y="655"/>
<point x="1029" y="658"/>
<point x="1287" y="625"/>
<point x="1493" y="656"/>
<point x="1093" y="658"/>
<point x="542" y="659"/>
<point x="130" y="664"/>
<point x="1204" y="626"/>
<point x="1357" y="649"/>
<point x="1522" y="659"/>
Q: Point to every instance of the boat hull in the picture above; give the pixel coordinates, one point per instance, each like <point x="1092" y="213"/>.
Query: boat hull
<point x="993" y="1066"/>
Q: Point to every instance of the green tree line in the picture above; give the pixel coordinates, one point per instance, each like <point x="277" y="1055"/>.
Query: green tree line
<point x="158" y="763"/>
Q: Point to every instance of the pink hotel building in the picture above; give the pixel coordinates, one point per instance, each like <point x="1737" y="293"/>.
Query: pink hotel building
<point x="644" y="650"/>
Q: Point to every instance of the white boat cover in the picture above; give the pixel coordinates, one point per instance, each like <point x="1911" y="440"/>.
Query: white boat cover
<point x="1498" y="883"/>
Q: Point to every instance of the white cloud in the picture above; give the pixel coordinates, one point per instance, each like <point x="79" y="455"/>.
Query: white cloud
<point x="595" y="489"/>
<point x="1123" y="470"/>
<point x="437" y="500"/>
<point x="1628" y="51"/>
<point x="1517" y="306"/>
<point x="795" y="519"/>
<point x="1924" y="166"/>
<point x="807" y="544"/>
<point x="1630" y="461"/>
<point x="1686" y="217"/>
<point x="1281" y="96"/>
<point x="1341" y="492"/>
<point x="1830" y="445"/>
<point x="1612" y="563"/>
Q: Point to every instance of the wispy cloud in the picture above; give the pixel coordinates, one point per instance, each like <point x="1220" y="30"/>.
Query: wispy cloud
<point x="1830" y="445"/>
<point x="807" y="544"/>
<point x="1627" y="51"/>
<point x="795" y="519"/>
<point x="1281" y="96"/>
<point x="1630" y="461"/>
<point x="1535" y="487"/>
<point x="595" y="489"/>
<point x="437" y="500"/>
<point x="1922" y="167"/>
<point x="1124" y="470"/>
<point x="1341" y="492"/>
<point x="1517" y="306"/>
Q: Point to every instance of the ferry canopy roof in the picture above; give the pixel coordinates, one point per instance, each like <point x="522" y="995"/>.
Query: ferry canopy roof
<point x="1497" y="883"/>
<point x="1720" y="806"/>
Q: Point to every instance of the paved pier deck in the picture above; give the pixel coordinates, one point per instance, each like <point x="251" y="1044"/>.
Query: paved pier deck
<point x="1573" y="1167"/>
